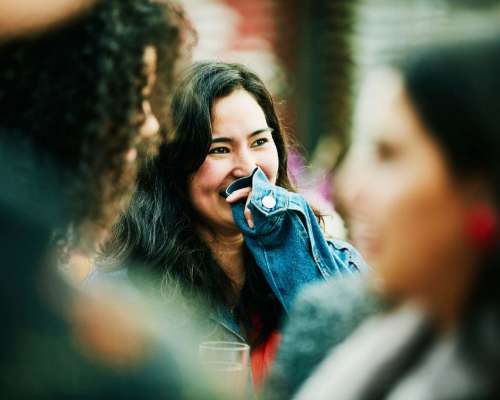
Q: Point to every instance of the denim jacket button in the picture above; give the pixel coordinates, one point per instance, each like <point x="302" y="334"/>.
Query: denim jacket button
<point x="269" y="201"/>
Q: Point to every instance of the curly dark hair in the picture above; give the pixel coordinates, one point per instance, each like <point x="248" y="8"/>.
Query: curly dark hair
<point x="76" y="93"/>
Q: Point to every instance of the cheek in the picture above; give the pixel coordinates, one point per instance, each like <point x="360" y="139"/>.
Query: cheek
<point x="268" y="161"/>
<point x="420" y="229"/>
<point x="203" y="187"/>
<point x="208" y="177"/>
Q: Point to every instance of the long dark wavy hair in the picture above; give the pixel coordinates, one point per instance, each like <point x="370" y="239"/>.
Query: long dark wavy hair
<point x="158" y="232"/>
<point x="455" y="89"/>
<point x="75" y="92"/>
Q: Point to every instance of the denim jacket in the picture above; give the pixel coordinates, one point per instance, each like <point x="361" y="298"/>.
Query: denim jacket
<point x="287" y="243"/>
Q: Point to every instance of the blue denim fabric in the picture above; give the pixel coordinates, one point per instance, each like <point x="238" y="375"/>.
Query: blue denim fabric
<point x="287" y="241"/>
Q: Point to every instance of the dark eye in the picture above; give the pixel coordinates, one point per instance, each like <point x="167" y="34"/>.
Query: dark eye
<point x="218" y="150"/>
<point x="260" y="142"/>
<point x="384" y="151"/>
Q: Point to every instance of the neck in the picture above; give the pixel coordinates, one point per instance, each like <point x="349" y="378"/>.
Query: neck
<point x="227" y="249"/>
<point x="447" y="301"/>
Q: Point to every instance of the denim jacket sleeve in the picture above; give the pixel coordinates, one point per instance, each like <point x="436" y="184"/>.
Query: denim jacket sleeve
<point x="287" y="241"/>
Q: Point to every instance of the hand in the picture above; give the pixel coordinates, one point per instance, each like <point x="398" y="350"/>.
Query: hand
<point x="241" y="194"/>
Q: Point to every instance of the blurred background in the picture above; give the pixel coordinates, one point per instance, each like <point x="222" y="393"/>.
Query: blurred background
<point x="313" y="54"/>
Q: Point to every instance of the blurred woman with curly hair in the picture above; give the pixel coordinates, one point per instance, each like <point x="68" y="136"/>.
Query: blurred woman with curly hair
<point x="80" y="102"/>
<point x="83" y="91"/>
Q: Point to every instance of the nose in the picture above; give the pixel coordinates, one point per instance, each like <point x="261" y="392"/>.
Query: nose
<point x="244" y="164"/>
<point x="351" y="184"/>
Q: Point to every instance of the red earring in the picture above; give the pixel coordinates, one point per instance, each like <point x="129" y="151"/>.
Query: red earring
<point x="481" y="227"/>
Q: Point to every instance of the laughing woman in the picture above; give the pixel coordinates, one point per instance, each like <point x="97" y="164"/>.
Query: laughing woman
<point x="216" y="215"/>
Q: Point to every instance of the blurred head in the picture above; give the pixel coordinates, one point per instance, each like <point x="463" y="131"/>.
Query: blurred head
<point x="430" y="181"/>
<point x="225" y="125"/>
<point x="88" y="94"/>
<point x="21" y="17"/>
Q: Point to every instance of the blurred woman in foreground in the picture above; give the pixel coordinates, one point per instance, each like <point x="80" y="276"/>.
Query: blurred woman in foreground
<point x="429" y="197"/>
<point x="80" y="100"/>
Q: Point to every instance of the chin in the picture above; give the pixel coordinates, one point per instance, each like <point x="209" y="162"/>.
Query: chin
<point x="370" y="252"/>
<point x="225" y="222"/>
<point x="229" y="229"/>
<point x="389" y="290"/>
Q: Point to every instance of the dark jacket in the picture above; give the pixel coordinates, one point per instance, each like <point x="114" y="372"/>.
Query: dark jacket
<point x="398" y="354"/>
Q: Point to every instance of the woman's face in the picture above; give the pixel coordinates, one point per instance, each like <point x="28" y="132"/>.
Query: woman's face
<point x="406" y="210"/>
<point x="241" y="140"/>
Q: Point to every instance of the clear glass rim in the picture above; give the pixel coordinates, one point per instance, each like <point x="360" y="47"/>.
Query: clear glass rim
<point x="224" y="346"/>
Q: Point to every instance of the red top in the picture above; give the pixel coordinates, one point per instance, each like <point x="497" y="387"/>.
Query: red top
<point x="262" y="356"/>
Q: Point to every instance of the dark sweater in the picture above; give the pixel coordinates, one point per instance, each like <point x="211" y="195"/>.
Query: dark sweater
<point x="322" y="317"/>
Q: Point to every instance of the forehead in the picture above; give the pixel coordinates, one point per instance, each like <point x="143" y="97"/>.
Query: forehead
<point x="385" y="114"/>
<point x="237" y="112"/>
<point x="376" y="103"/>
<point x="393" y="120"/>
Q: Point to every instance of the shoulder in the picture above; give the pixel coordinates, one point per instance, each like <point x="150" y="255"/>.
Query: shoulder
<point x="98" y="275"/>
<point x="335" y="299"/>
<point x="326" y="313"/>
<point x="323" y="315"/>
<point x="100" y="279"/>
<point x="115" y="284"/>
<point x="348" y="255"/>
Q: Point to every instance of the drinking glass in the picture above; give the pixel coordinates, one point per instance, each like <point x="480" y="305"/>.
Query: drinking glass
<point x="226" y="365"/>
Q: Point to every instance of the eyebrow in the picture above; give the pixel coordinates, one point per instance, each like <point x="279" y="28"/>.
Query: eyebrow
<point x="254" y="133"/>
